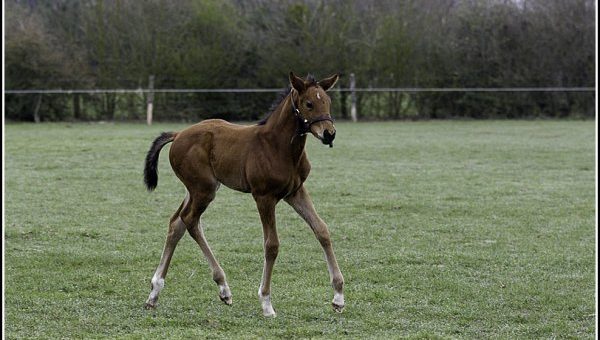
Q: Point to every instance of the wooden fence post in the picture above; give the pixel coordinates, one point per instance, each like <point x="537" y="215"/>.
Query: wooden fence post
<point x="36" y="111"/>
<point x="353" y="97"/>
<point x="150" y="100"/>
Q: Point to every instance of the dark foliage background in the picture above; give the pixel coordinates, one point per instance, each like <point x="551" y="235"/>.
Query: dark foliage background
<point x="255" y="43"/>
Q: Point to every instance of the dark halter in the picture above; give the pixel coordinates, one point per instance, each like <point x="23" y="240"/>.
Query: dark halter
<point x="303" y="123"/>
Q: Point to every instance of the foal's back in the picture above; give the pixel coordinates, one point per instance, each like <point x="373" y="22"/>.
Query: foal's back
<point x="213" y="151"/>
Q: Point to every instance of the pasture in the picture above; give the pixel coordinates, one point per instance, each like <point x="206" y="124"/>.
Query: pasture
<point x="442" y="229"/>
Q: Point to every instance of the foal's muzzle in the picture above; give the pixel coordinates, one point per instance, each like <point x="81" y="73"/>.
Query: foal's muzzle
<point x="328" y="138"/>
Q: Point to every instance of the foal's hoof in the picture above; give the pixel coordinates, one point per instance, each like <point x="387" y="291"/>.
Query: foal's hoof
<point x="149" y="305"/>
<point x="226" y="299"/>
<point x="337" y="308"/>
<point x="269" y="313"/>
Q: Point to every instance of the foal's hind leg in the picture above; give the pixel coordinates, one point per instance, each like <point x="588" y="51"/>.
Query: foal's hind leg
<point x="176" y="231"/>
<point x="192" y="217"/>
<point x="302" y="203"/>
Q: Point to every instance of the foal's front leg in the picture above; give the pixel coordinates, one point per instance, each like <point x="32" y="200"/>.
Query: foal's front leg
<point x="266" y="209"/>
<point x="302" y="203"/>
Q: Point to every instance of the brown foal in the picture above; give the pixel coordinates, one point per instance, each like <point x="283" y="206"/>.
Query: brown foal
<point x="267" y="160"/>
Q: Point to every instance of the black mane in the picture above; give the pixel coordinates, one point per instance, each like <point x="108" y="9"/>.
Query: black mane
<point x="280" y="98"/>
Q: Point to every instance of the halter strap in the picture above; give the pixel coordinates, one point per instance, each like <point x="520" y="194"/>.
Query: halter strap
<point x="303" y="123"/>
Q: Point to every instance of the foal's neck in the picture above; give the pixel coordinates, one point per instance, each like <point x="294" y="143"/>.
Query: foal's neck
<point x="283" y="127"/>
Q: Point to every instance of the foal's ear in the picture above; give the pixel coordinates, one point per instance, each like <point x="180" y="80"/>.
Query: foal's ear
<point x="297" y="82"/>
<point x="328" y="83"/>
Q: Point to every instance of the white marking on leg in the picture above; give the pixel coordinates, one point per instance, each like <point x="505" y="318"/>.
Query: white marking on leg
<point x="264" y="294"/>
<point x="338" y="299"/>
<point x="224" y="290"/>
<point x="225" y="293"/>
<point x="157" y="285"/>
<point x="265" y="302"/>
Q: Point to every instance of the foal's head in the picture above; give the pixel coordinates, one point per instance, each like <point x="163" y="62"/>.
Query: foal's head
<point x="314" y="105"/>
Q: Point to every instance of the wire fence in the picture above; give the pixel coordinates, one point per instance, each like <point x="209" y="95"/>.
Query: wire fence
<point x="190" y="104"/>
<point x="277" y="90"/>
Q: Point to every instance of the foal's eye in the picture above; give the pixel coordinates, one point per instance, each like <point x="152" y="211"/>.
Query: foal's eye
<point x="309" y="105"/>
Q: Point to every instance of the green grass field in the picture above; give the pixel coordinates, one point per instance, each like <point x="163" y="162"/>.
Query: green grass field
<point x="443" y="229"/>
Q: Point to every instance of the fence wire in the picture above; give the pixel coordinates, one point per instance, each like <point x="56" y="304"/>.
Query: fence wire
<point x="190" y="104"/>
<point x="276" y="90"/>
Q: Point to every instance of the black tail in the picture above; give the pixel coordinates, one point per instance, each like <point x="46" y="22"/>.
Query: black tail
<point x="151" y="168"/>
